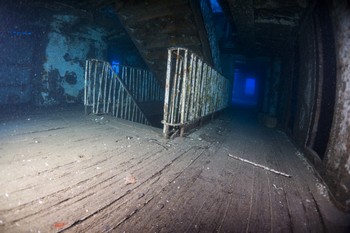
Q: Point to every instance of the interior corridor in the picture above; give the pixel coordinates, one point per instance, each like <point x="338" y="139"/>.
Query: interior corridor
<point x="257" y="91"/>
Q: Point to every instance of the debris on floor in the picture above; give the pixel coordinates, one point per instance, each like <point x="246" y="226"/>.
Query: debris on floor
<point x="59" y="225"/>
<point x="130" y="179"/>
<point x="259" y="165"/>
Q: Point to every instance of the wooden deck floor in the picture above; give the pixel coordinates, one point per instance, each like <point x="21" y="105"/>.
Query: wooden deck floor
<point x="62" y="171"/>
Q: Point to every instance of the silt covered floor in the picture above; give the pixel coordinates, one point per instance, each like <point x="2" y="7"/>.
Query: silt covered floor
<point x="63" y="171"/>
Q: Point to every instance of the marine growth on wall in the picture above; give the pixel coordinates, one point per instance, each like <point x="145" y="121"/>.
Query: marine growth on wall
<point x="71" y="41"/>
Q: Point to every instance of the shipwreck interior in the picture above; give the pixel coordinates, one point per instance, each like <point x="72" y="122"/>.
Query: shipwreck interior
<point x="175" y="116"/>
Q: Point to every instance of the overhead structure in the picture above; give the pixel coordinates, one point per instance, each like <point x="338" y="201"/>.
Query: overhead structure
<point x="265" y="27"/>
<point x="154" y="26"/>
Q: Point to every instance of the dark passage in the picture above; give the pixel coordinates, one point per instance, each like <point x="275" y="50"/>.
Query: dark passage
<point x="257" y="90"/>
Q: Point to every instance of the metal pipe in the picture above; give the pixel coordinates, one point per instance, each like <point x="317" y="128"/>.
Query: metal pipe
<point x="172" y="108"/>
<point x="178" y="92"/>
<point x="114" y="92"/>
<point x="85" y="82"/>
<point x="119" y="102"/>
<point x="104" y="78"/>
<point x="184" y="90"/>
<point x="89" y="85"/>
<point x="94" y="90"/>
<point x="166" y="96"/>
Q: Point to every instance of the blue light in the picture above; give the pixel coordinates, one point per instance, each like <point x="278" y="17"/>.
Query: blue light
<point x="250" y="86"/>
<point x="216" y="8"/>
<point x="115" y="66"/>
<point x="19" y="33"/>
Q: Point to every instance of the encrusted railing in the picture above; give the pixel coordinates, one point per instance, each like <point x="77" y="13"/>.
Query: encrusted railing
<point x="141" y="83"/>
<point x="193" y="90"/>
<point x="105" y="92"/>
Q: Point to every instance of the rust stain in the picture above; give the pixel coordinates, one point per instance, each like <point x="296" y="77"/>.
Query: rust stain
<point x="59" y="225"/>
<point x="130" y="179"/>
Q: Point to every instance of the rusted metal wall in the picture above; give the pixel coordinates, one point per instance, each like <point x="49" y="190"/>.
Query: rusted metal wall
<point x="66" y="50"/>
<point x="313" y="74"/>
<point x="193" y="89"/>
<point x="105" y="92"/>
<point x="338" y="154"/>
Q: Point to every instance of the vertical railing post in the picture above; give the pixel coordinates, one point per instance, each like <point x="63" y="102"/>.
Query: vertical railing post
<point x="94" y="89"/>
<point x="184" y="94"/>
<point x="86" y="86"/>
<point x="103" y="86"/>
<point x="166" y="96"/>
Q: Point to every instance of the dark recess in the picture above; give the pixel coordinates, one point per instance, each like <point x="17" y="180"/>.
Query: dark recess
<point x="329" y="80"/>
<point x="294" y="98"/>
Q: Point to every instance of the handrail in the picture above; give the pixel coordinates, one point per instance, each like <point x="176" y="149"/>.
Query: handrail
<point x="193" y="89"/>
<point x="141" y="83"/>
<point x="105" y="92"/>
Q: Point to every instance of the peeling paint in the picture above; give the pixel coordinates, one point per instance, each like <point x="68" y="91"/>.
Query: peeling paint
<point x="66" y="52"/>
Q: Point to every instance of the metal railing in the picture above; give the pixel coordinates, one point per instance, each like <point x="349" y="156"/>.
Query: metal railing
<point x="105" y="92"/>
<point x="142" y="84"/>
<point x="193" y="90"/>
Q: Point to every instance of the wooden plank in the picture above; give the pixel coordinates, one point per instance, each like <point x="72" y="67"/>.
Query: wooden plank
<point x="260" y="213"/>
<point x="185" y="184"/>
<point x="280" y="215"/>
<point x="128" y="209"/>
<point x="304" y="215"/>
<point x="239" y="183"/>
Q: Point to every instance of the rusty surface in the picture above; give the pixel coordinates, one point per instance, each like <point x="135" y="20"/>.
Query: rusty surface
<point x="314" y="118"/>
<point x="338" y="155"/>
<point x="193" y="90"/>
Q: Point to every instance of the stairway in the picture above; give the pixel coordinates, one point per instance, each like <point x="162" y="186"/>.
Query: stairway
<point x="156" y="25"/>
<point x="154" y="112"/>
<point x="131" y="94"/>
